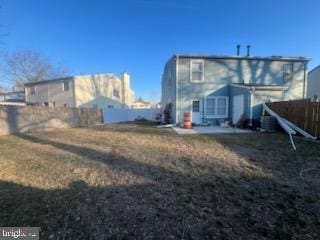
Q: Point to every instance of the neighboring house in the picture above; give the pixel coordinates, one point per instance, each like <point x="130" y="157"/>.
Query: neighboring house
<point x="217" y="88"/>
<point x="97" y="90"/>
<point x="313" y="86"/>
<point x="141" y="104"/>
<point x="156" y="105"/>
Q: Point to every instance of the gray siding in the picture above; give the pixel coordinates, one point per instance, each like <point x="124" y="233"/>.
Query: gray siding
<point x="169" y="86"/>
<point x="313" y="87"/>
<point x="220" y="72"/>
<point x="52" y="92"/>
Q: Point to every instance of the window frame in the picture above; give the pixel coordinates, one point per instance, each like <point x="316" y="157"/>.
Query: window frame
<point x="116" y="91"/>
<point x="32" y="90"/>
<point x="192" y="61"/>
<point x="287" y="77"/>
<point x="199" y="106"/>
<point x="216" y="107"/>
<point x="64" y="87"/>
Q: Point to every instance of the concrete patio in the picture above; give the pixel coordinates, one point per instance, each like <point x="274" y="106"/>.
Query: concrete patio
<point x="209" y="130"/>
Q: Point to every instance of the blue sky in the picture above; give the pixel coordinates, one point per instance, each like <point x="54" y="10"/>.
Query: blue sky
<point x="138" y="36"/>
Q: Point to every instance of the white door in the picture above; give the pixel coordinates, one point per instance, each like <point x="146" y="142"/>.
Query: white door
<point x="237" y="108"/>
<point x="196" y="111"/>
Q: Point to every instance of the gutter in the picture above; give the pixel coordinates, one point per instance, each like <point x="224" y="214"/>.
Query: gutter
<point x="270" y="58"/>
<point x="261" y="87"/>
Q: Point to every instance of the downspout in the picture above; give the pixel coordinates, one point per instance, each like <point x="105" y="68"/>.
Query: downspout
<point x="250" y="105"/>
<point x="74" y="92"/>
<point x="304" y="80"/>
<point x="177" y="99"/>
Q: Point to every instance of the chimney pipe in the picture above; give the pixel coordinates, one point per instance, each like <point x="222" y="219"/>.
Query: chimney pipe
<point x="248" y="50"/>
<point x="238" y="50"/>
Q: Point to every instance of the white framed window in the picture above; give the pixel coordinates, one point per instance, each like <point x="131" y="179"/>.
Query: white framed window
<point x="33" y="90"/>
<point x="195" y="106"/>
<point x="65" y="86"/>
<point x="116" y="93"/>
<point x="287" y="72"/>
<point x="216" y="107"/>
<point x="197" y="70"/>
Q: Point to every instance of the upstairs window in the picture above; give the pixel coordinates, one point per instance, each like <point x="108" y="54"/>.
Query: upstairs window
<point x="66" y="86"/>
<point x="197" y="70"/>
<point x="32" y="90"/>
<point x="287" y="72"/>
<point x="116" y="93"/>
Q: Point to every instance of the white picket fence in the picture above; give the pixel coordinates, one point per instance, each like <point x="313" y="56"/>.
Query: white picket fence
<point x="116" y="115"/>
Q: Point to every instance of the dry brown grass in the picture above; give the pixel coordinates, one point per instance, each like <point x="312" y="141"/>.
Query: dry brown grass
<point x="133" y="181"/>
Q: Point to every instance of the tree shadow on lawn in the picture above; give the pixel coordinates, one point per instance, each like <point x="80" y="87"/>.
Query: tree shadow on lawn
<point x="172" y="206"/>
<point x="135" y="127"/>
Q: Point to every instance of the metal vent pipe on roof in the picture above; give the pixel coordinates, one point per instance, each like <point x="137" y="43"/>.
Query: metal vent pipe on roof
<point x="248" y="50"/>
<point x="238" y="50"/>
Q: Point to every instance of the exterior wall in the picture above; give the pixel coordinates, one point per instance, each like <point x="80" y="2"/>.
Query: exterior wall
<point x="169" y="86"/>
<point x="260" y="97"/>
<point x="296" y="88"/>
<point x="218" y="73"/>
<point x="84" y="91"/>
<point x="127" y="95"/>
<point x="51" y="92"/>
<point x="97" y="91"/>
<point x="313" y="86"/>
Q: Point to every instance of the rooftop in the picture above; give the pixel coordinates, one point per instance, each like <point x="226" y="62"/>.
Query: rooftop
<point x="317" y="67"/>
<point x="66" y="78"/>
<point x="268" y="58"/>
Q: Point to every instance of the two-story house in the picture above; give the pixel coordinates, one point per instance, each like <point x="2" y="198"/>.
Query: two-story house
<point x="215" y="88"/>
<point x="97" y="90"/>
<point x="140" y="104"/>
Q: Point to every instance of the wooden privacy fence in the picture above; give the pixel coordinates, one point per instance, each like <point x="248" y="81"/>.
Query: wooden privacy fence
<point x="303" y="113"/>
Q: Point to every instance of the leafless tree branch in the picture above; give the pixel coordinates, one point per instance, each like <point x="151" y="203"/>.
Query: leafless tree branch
<point x="30" y="66"/>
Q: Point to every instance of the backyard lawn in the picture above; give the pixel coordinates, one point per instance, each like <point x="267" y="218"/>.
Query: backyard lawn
<point x="134" y="181"/>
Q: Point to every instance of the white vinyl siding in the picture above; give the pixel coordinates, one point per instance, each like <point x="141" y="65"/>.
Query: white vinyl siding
<point x="216" y="107"/>
<point x="197" y="70"/>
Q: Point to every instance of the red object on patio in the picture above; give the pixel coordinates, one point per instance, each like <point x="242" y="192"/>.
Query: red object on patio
<point x="187" y="120"/>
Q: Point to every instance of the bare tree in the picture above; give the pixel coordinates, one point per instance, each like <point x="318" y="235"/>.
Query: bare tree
<point x="30" y="66"/>
<point x="154" y="96"/>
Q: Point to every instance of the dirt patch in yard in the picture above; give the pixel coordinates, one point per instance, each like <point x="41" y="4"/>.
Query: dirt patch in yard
<point x="134" y="181"/>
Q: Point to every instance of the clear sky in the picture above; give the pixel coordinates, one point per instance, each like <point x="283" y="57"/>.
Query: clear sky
<point x="139" y="36"/>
